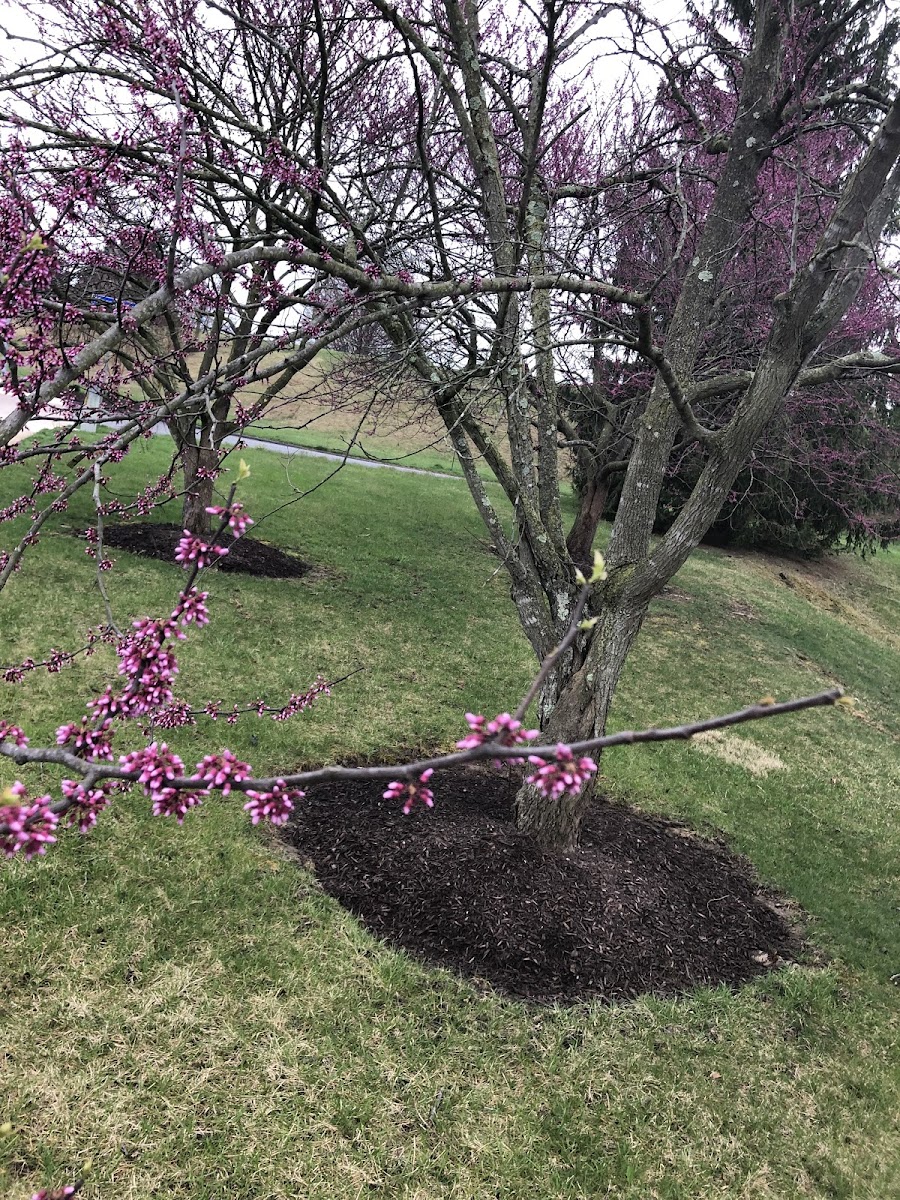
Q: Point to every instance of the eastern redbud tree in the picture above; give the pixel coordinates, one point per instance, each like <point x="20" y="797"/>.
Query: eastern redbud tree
<point x="197" y="203"/>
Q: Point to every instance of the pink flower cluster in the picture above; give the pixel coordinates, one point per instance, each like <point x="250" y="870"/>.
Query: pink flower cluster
<point x="275" y="805"/>
<point x="157" y="766"/>
<point x="297" y="703"/>
<point x="412" y="791"/>
<point x="219" y="770"/>
<point x="503" y="729"/>
<point x="150" y="667"/>
<point x="60" y="1193"/>
<point x="153" y="494"/>
<point x="148" y="664"/>
<point x="88" y="741"/>
<point x="280" y="166"/>
<point x="192" y="608"/>
<point x="12" y="733"/>
<point x="300" y="701"/>
<point x="27" y="826"/>
<point x="174" y="716"/>
<point x="175" y="802"/>
<point x="564" y="774"/>
<point x="193" y="551"/>
<point x="57" y="659"/>
<point x="86" y="804"/>
<point x="238" y="521"/>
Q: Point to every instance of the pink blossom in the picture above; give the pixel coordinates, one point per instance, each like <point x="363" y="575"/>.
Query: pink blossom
<point x="56" y="660"/>
<point x="274" y="806"/>
<point x="220" y="769"/>
<point x="565" y="774"/>
<point x="193" y="550"/>
<point x="87" y="804"/>
<point x="12" y="733"/>
<point x="175" y="802"/>
<point x="300" y="701"/>
<point x="156" y="764"/>
<point x="175" y="716"/>
<point x="86" y="741"/>
<point x="59" y="1193"/>
<point x="150" y="667"/>
<point x="29" y="827"/>
<point x="108" y="705"/>
<point x="503" y="729"/>
<point x="192" y="607"/>
<point x="412" y="791"/>
<point x="238" y="521"/>
<point x="190" y="548"/>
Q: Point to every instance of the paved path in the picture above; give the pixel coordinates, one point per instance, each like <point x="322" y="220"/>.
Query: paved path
<point x="256" y="443"/>
<point x="7" y="404"/>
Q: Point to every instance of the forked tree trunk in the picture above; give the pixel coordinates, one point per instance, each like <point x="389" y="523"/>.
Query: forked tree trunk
<point x="198" y="487"/>
<point x="580" y="713"/>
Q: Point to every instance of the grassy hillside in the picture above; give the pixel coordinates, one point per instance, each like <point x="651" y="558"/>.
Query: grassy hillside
<point x="327" y="406"/>
<point x="185" y="1008"/>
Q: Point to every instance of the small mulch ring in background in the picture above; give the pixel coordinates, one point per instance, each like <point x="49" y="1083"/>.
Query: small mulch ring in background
<point x="156" y="540"/>
<point x="644" y="906"/>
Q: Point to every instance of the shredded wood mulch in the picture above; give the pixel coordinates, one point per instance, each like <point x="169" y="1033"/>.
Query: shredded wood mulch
<point x="645" y="905"/>
<point x="160" y="540"/>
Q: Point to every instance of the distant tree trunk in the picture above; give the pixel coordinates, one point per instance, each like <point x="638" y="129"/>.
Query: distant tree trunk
<point x="592" y="501"/>
<point x="198" y="487"/>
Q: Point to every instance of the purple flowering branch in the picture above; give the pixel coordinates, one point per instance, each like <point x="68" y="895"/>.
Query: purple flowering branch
<point x="180" y="713"/>
<point x="487" y="750"/>
<point x="57" y="659"/>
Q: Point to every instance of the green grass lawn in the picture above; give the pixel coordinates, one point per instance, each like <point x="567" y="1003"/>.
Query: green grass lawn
<point x="185" y="1008"/>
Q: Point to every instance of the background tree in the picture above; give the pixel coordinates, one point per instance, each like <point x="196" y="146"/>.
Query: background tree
<point x="221" y="135"/>
<point x="785" y="81"/>
<point x="822" y="478"/>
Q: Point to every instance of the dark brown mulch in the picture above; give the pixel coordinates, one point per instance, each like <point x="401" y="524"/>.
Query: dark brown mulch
<point x="159" y="540"/>
<point x="644" y="906"/>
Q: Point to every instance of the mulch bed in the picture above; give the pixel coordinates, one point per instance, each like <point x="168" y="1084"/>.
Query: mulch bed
<point x="247" y="554"/>
<point x="644" y="906"/>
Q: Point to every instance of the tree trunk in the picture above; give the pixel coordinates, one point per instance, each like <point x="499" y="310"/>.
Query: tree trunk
<point x="580" y="713"/>
<point x="198" y="463"/>
<point x="592" y="502"/>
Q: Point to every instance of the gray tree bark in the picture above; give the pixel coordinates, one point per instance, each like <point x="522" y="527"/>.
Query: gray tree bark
<point x="811" y="310"/>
